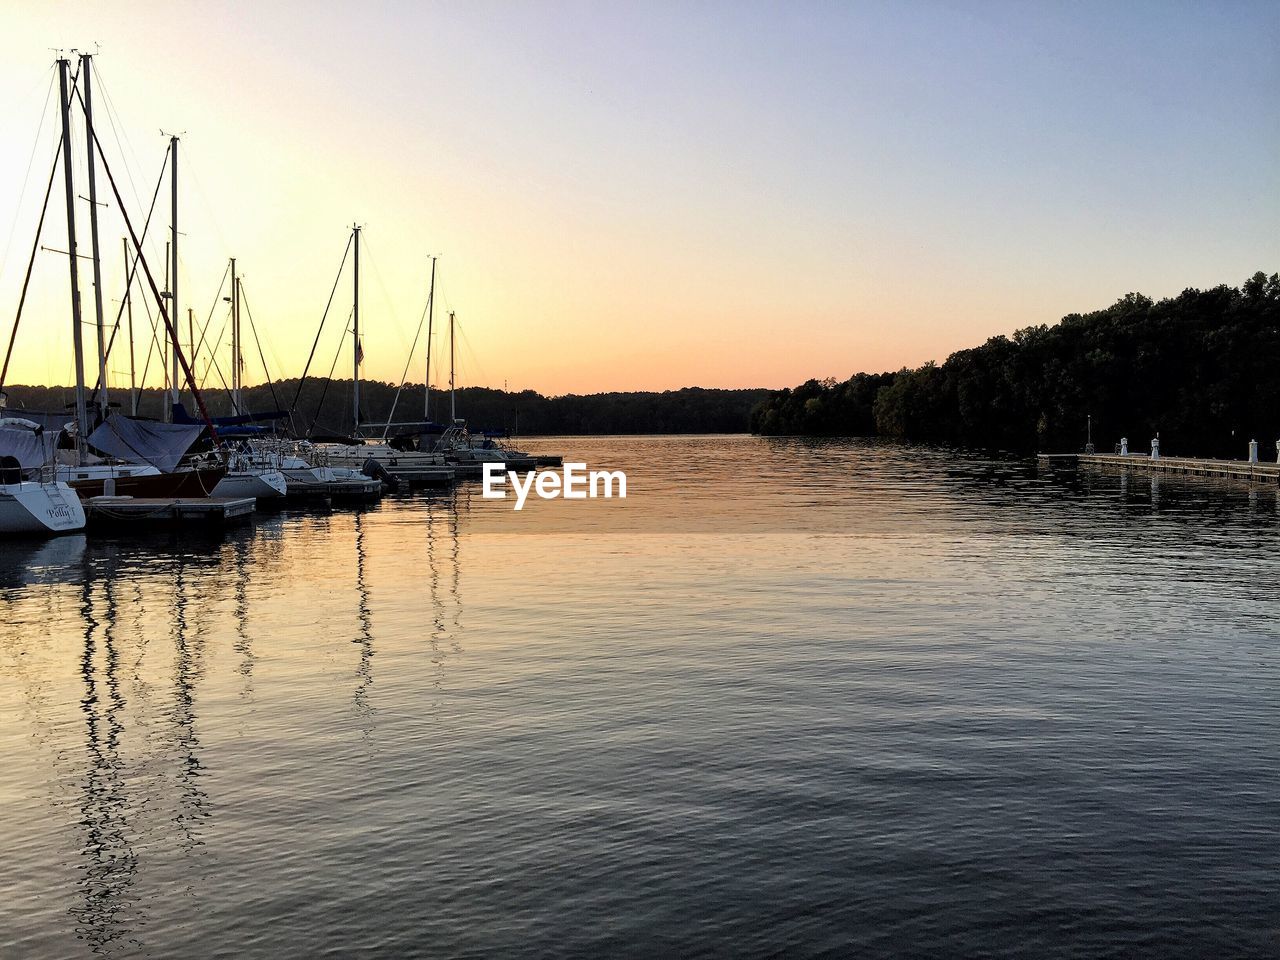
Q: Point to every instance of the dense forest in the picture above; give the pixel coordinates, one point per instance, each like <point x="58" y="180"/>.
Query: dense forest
<point x="325" y="407"/>
<point x="1201" y="370"/>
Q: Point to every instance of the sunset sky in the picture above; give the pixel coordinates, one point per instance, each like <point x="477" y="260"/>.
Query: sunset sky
<point x="650" y="196"/>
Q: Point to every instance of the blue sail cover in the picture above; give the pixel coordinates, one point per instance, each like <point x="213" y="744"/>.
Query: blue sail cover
<point x="30" y="446"/>
<point x="146" y="441"/>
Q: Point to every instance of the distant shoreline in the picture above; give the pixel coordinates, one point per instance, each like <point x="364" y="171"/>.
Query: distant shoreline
<point x="327" y="405"/>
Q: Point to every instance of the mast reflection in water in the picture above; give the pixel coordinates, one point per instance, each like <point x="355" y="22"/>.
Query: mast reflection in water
<point x="796" y="697"/>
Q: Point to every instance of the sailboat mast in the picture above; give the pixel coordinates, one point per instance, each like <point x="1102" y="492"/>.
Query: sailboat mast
<point x="86" y="71"/>
<point x="355" y="313"/>
<point x="82" y="416"/>
<point x="128" y="306"/>
<point x="164" y="405"/>
<point x="191" y="340"/>
<point x="431" y="305"/>
<point x="453" y="405"/>
<point x="235" y="339"/>
<point x="173" y="277"/>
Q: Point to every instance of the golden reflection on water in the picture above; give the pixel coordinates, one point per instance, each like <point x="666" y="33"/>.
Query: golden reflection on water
<point x="250" y="733"/>
<point x="133" y="626"/>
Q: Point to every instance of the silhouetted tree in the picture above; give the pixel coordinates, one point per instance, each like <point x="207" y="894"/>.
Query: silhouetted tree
<point x="1202" y="369"/>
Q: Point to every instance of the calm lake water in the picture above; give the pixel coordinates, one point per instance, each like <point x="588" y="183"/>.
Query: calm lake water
<point x="787" y="699"/>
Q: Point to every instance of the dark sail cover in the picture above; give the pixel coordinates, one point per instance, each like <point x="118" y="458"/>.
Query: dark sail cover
<point x="146" y="441"/>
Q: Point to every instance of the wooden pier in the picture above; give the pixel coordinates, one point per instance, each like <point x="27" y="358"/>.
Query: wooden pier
<point x="1188" y="466"/>
<point x="104" y="511"/>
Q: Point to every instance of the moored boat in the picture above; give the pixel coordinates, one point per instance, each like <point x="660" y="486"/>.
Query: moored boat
<point x="36" y="507"/>
<point x="31" y="500"/>
<point x="124" y="480"/>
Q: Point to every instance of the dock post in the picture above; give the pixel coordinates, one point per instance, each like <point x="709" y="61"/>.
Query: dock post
<point x="1278" y="451"/>
<point x="1124" y="448"/>
<point x="1155" y="448"/>
<point x="1253" y="451"/>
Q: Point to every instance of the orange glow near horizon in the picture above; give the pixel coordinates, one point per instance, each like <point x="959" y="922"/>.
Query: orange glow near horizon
<point x="628" y="200"/>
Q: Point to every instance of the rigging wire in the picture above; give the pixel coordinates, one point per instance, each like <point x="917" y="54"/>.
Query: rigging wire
<point x="329" y="379"/>
<point x="319" y="330"/>
<point x="101" y="86"/>
<point x="133" y="271"/>
<point x="253" y="327"/>
<point x="153" y="348"/>
<point x="213" y="356"/>
<point x="170" y="325"/>
<point x="204" y="331"/>
<point x="367" y="250"/>
<point x="404" y="375"/>
<point x="26" y="177"/>
<point x="478" y="372"/>
<point x="35" y="246"/>
<point x="44" y="209"/>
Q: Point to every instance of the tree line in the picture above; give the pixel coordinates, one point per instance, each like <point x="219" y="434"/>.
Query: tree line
<point x="1200" y="370"/>
<point x="325" y="407"/>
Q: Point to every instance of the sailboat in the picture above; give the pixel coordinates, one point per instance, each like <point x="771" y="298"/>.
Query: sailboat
<point x="467" y="450"/>
<point x="29" y="504"/>
<point x="401" y="460"/>
<point x="113" y="454"/>
<point x="251" y="471"/>
<point x="122" y="456"/>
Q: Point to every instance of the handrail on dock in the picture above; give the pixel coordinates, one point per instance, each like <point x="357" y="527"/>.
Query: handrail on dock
<point x="1191" y="466"/>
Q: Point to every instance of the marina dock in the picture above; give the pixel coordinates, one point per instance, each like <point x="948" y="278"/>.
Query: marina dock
<point x="343" y="490"/>
<point x="1142" y="463"/>
<point x="101" y="511"/>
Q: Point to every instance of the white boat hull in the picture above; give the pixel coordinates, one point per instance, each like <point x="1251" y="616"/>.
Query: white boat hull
<point x="402" y="464"/>
<point x="39" y="508"/>
<point x="260" y="484"/>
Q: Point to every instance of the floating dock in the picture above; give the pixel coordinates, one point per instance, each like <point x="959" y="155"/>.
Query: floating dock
<point x="1140" y="462"/>
<point x="334" y="489"/>
<point x="468" y="469"/>
<point x="434" y="476"/>
<point x="100" y="511"/>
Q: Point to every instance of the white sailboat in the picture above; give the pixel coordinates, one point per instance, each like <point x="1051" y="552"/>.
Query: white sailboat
<point x="400" y="462"/>
<point x="468" y="451"/>
<point x="251" y="471"/>
<point x="307" y="474"/>
<point x="113" y="454"/>
<point x="38" y="507"/>
<point x="30" y="504"/>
